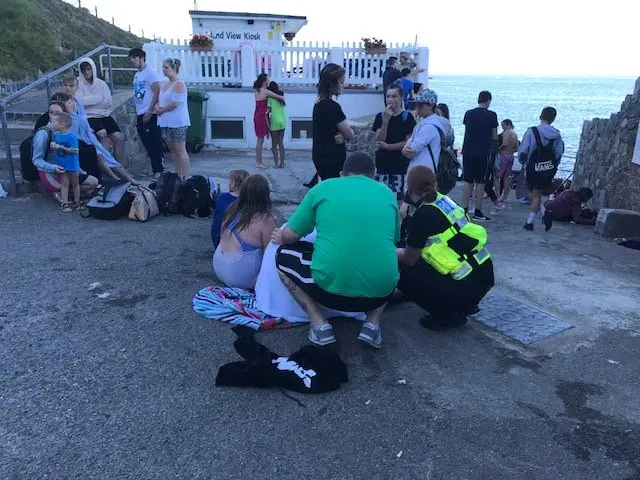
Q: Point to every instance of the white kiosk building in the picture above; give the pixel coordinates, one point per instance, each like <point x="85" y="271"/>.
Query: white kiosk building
<point x="246" y="44"/>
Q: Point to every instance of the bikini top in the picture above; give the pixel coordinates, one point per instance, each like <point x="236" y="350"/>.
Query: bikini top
<point x="246" y="247"/>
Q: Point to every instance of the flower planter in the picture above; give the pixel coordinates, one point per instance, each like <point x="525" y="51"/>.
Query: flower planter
<point x="201" y="48"/>
<point x="376" y="50"/>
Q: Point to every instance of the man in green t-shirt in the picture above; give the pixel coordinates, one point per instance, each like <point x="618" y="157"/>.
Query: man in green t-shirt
<point x="352" y="266"/>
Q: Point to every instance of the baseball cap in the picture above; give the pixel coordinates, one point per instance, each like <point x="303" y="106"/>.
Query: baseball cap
<point x="427" y="96"/>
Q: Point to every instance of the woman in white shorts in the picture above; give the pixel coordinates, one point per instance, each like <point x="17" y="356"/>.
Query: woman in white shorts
<point x="173" y="116"/>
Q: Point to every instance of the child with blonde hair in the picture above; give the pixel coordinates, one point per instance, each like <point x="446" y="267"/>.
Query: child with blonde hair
<point x="224" y="201"/>
<point x="66" y="149"/>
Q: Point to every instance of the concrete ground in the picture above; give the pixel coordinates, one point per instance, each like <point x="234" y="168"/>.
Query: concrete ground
<point x="108" y="373"/>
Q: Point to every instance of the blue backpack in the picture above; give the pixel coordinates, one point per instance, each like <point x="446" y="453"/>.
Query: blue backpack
<point x="405" y="115"/>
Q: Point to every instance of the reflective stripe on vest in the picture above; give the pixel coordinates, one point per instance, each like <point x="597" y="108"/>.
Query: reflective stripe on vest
<point x="437" y="252"/>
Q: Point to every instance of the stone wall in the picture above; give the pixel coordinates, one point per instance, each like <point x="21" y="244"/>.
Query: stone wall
<point x="603" y="162"/>
<point x="136" y="158"/>
<point x="365" y="138"/>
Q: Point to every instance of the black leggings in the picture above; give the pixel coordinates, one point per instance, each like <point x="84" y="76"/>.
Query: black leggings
<point x="488" y="185"/>
<point x="89" y="159"/>
<point x="442" y="296"/>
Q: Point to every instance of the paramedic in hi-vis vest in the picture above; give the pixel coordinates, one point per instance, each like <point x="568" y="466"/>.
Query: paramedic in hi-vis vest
<point x="444" y="267"/>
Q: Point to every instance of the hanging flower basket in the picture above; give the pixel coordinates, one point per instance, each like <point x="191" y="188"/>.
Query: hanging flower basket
<point x="376" y="51"/>
<point x="289" y="36"/>
<point x="374" y="46"/>
<point x="201" y="43"/>
<point x="196" y="48"/>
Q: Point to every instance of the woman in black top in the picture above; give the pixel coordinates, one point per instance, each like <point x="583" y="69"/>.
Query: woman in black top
<point x="448" y="301"/>
<point x="330" y="126"/>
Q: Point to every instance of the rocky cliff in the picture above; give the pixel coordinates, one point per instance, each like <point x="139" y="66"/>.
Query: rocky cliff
<point x="603" y="162"/>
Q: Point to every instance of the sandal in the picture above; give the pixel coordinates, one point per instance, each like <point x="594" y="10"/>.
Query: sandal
<point x="66" y="207"/>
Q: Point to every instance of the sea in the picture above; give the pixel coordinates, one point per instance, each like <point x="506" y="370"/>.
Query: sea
<point x="521" y="99"/>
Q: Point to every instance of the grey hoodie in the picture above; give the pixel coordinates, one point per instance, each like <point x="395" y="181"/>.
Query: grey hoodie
<point x="547" y="133"/>
<point x="425" y="135"/>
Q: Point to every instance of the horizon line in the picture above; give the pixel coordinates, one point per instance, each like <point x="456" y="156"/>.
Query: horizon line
<point x="531" y="75"/>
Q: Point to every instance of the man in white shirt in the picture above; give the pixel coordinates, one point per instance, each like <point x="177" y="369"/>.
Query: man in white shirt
<point x="146" y="87"/>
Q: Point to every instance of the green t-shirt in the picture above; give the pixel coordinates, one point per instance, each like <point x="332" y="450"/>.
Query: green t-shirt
<point x="357" y="224"/>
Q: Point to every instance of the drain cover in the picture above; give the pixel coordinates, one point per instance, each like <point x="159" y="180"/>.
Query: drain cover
<point x="518" y="320"/>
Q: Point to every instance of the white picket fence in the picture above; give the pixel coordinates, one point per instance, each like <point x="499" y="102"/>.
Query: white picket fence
<point x="291" y="64"/>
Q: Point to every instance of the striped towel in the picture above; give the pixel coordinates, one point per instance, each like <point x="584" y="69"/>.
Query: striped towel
<point x="234" y="305"/>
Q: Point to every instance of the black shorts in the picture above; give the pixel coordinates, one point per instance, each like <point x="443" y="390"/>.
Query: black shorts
<point x="295" y="262"/>
<point x="540" y="180"/>
<point x="474" y="168"/>
<point x="104" y="123"/>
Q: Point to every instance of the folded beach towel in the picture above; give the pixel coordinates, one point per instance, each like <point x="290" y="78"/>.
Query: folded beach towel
<point x="234" y="305"/>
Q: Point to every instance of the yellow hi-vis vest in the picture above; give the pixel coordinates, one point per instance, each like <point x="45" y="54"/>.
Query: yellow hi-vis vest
<point x="443" y="258"/>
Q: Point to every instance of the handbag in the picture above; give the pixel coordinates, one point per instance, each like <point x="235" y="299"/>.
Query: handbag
<point x="144" y="205"/>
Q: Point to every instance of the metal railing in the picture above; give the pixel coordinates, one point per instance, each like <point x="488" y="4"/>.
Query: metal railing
<point x="108" y="69"/>
<point x="46" y="81"/>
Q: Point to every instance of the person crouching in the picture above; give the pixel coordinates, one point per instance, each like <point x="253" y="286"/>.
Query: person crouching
<point x="444" y="267"/>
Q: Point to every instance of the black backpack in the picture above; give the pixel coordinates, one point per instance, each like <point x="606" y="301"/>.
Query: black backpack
<point x="111" y="202"/>
<point x="448" y="166"/>
<point x="168" y="189"/>
<point x="196" y="197"/>
<point x="27" y="168"/>
<point x="542" y="163"/>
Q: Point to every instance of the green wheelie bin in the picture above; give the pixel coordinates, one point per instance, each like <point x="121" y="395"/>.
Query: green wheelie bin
<point x="196" y="133"/>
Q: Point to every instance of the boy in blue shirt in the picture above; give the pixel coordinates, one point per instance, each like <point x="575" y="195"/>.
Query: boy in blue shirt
<point x="407" y="85"/>
<point x="65" y="147"/>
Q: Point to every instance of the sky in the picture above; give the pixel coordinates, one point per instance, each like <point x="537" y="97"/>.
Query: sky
<point x="510" y="37"/>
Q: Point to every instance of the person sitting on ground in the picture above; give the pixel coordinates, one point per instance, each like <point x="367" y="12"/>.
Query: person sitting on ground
<point x="567" y="207"/>
<point x="541" y="170"/>
<point x="352" y="265"/>
<point x="444" y="267"/>
<point x="95" y="96"/>
<point x="42" y="159"/>
<point x="224" y="201"/>
<point x="246" y="231"/>
<point x="86" y="134"/>
<point x="90" y="161"/>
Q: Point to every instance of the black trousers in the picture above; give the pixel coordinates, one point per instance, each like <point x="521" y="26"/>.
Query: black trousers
<point x="442" y="296"/>
<point x="151" y="138"/>
<point x="89" y="159"/>
<point x="488" y="185"/>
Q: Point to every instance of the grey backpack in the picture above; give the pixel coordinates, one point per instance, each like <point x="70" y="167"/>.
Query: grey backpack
<point x="111" y="202"/>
